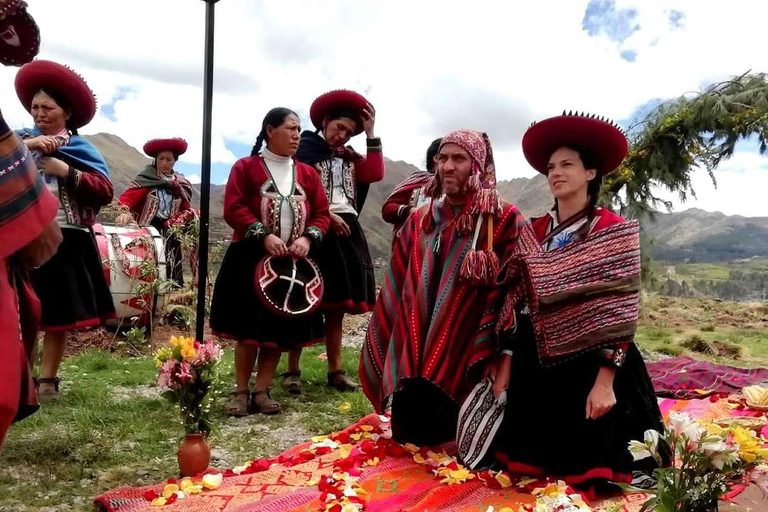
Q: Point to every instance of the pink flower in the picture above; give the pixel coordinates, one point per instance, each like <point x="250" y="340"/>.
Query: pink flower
<point x="166" y="378"/>
<point x="184" y="373"/>
<point x="207" y="352"/>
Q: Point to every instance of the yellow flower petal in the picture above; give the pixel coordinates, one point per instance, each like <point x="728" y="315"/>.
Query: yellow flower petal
<point x="411" y="448"/>
<point x="418" y="459"/>
<point x="366" y="428"/>
<point x="345" y="407"/>
<point x="503" y="480"/>
<point x="460" y="474"/>
<point x="170" y="489"/>
<point x="355" y="437"/>
<point x="527" y="481"/>
<point x="319" y="439"/>
<point x="345" y="450"/>
<point x="212" y="482"/>
<point x="313" y="482"/>
<point x="159" y="502"/>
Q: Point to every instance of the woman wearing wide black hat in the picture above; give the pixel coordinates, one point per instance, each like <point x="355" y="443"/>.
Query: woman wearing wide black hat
<point x="578" y="389"/>
<point x="277" y="208"/>
<point x="71" y="286"/>
<point x="343" y="257"/>
<point x="161" y="197"/>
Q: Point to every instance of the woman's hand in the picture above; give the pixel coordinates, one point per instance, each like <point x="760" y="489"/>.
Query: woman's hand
<point x="43" y="143"/>
<point x="300" y="247"/>
<point x="275" y="246"/>
<point x="55" y="167"/>
<point x="497" y="371"/>
<point x="339" y="226"/>
<point x="602" y="398"/>
<point x="369" y="120"/>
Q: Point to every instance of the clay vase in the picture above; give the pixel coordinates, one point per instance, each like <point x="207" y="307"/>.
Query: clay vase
<point x="194" y="455"/>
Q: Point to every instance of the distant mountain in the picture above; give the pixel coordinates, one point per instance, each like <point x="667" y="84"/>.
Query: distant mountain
<point x="695" y="235"/>
<point x="692" y="235"/>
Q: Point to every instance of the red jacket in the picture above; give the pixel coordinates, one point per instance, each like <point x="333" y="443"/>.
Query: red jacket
<point x="143" y="203"/>
<point x="247" y="205"/>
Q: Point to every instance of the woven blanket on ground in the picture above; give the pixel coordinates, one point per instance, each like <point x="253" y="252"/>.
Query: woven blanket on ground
<point x="397" y="483"/>
<point x="584" y="295"/>
<point x="685" y="377"/>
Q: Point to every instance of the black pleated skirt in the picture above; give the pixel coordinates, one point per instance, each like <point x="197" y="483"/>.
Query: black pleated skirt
<point x="72" y="288"/>
<point x="238" y="314"/>
<point x="546" y="431"/>
<point x="345" y="262"/>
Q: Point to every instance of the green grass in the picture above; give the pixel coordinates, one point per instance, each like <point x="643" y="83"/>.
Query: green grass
<point x="110" y="429"/>
<point x="709" y="271"/>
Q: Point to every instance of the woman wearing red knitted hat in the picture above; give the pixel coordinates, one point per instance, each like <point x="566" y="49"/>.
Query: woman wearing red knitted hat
<point x="71" y="286"/>
<point x="578" y="390"/>
<point x="161" y="197"/>
<point x="343" y="256"/>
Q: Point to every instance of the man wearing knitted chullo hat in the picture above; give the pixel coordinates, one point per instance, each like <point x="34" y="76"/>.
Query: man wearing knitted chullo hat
<point x="432" y="331"/>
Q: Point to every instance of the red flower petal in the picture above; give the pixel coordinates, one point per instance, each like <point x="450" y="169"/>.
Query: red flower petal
<point x="151" y="495"/>
<point x="171" y="499"/>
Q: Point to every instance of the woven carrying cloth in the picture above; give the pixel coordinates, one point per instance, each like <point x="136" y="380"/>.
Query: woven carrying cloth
<point x="584" y="295"/>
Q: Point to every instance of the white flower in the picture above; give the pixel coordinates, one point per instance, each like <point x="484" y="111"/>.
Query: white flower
<point x="682" y="425"/>
<point x="651" y="438"/>
<point x="712" y="445"/>
<point x="639" y="450"/>
<point x="725" y="459"/>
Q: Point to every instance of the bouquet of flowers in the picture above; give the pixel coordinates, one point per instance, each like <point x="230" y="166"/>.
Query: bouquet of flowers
<point x="704" y="460"/>
<point x="187" y="375"/>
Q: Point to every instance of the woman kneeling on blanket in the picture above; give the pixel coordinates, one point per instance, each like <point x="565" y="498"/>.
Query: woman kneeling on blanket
<point x="572" y="416"/>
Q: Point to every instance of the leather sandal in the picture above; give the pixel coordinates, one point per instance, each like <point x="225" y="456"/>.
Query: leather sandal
<point x="48" y="389"/>
<point x="339" y="381"/>
<point x="262" y="403"/>
<point x="292" y="382"/>
<point x="238" y="407"/>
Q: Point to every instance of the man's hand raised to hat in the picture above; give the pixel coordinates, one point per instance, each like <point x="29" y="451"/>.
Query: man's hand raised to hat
<point x="275" y="246"/>
<point x="369" y="120"/>
<point x="300" y="247"/>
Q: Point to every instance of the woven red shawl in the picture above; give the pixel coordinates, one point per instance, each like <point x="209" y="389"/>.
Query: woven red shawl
<point x="584" y="295"/>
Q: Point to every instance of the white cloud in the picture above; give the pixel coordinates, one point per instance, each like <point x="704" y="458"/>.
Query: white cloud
<point x="193" y="178"/>
<point x="428" y="66"/>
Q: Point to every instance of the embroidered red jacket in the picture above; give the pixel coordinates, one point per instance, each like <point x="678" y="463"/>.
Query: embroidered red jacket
<point x="251" y="202"/>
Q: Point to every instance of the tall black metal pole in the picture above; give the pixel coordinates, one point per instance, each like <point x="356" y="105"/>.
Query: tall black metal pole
<point x="205" y="184"/>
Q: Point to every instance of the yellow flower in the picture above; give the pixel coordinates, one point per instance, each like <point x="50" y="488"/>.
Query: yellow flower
<point x="212" y="482"/>
<point x="372" y="462"/>
<point x="175" y="341"/>
<point x="158" y="502"/>
<point x="190" y="487"/>
<point x="189" y="353"/>
<point x="170" y="489"/>
<point x="418" y="459"/>
<point x="345" y="407"/>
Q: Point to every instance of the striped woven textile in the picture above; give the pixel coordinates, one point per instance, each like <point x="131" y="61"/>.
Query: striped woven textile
<point x="584" y="295"/>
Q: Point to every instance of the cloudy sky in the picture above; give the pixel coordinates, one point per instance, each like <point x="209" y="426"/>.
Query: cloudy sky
<point x="428" y="66"/>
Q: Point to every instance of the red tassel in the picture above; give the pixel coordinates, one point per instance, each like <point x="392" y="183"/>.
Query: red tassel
<point x="473" y="183"/>
<point x="428" y="222"/>
<point x="433" y="188"/>
<point x="488" y="202"/>
<point x="465" y="223"/>
<point x="480" y="268"/>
